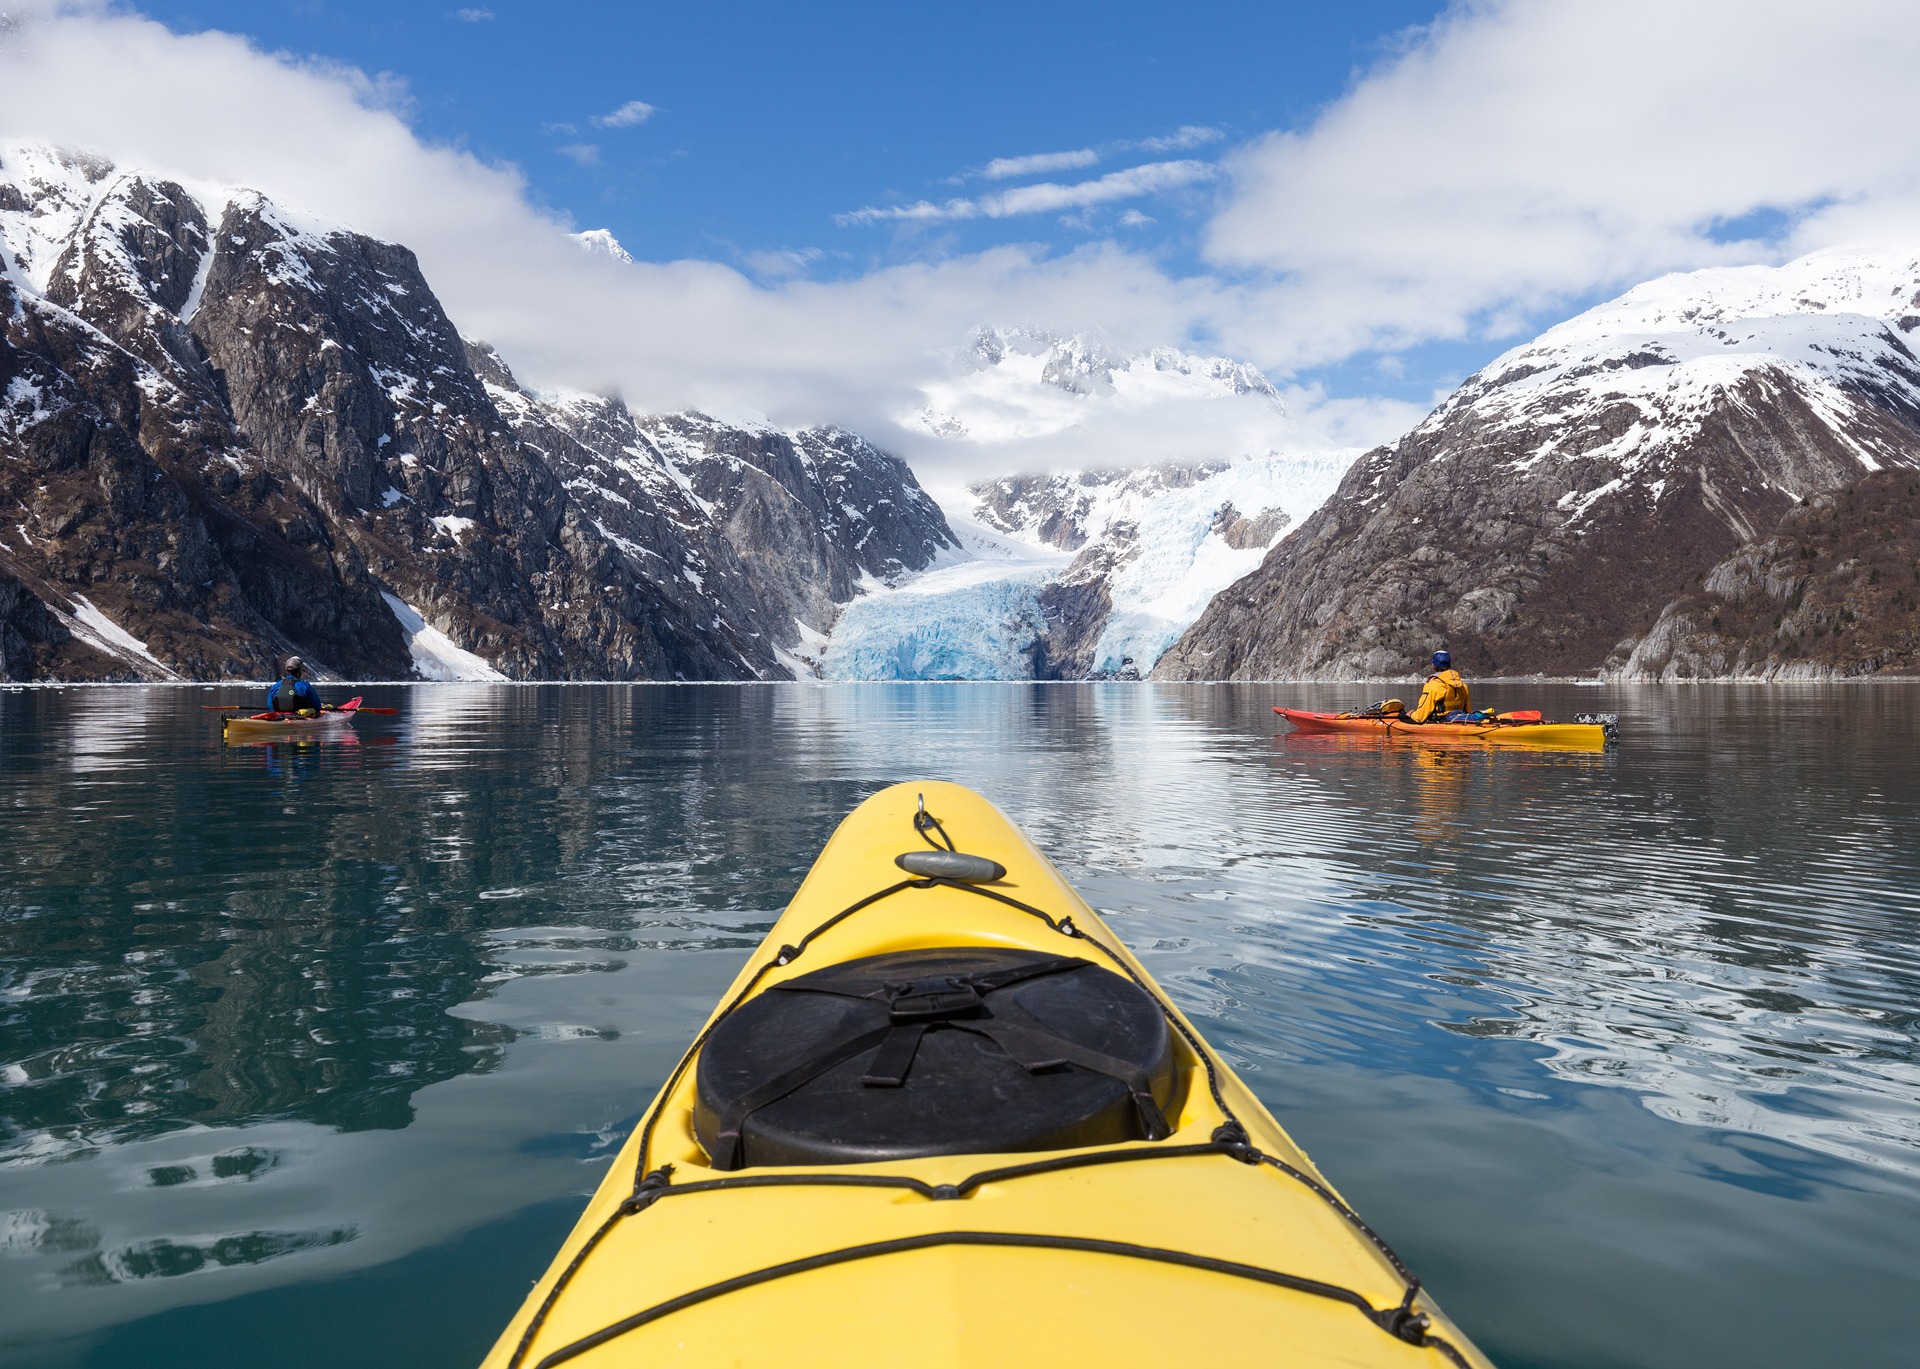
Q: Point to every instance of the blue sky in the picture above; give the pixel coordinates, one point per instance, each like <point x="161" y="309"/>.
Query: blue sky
<point x="768" y="127"/>
<point x="769" y="120"/>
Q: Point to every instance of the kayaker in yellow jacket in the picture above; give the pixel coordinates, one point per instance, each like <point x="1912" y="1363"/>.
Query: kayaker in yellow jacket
<point x="1445" y="692"/>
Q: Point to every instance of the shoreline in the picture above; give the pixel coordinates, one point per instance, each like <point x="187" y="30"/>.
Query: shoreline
<point x="1578" y="681"/>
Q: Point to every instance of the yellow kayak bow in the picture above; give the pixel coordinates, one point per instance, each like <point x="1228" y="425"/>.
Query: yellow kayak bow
<point x="801" y="1192"/>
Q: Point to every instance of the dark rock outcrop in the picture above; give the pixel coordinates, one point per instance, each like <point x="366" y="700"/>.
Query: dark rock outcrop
<point x="1244" y="533"/>
<point x="230" y="441"/>
<point x="1833" y="592"/>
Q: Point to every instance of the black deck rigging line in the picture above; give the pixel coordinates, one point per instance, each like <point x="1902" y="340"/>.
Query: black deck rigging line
<point x="1066" y="927"/>
<point x="935" y="1192"/>
<point x="786" y="956"/>
<point x="1333" y="1200"/>
<point x="1396" y="1321"/>
<point x="1228" y="1139"/>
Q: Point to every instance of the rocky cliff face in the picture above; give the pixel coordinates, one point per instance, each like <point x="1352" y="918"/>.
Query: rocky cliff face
<point x="768" y="532"/>
<point x="228" y="434"/>
<point x="1834" y="592"/>
<point x="1545" y="516"/>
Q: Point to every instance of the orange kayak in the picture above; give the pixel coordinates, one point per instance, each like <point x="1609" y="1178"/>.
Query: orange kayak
<point x="1592" y="733"/>
<point x="278" y="725"/>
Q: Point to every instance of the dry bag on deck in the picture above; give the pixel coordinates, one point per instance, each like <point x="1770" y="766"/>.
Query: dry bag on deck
<point x="945" y="1051"/>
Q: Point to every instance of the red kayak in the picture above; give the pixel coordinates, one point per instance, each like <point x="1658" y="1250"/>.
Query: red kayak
<point x="1591" y="733"/>
<point x="258" y="725"/>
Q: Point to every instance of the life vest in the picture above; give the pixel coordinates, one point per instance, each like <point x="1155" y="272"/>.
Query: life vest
<point x="291" y="695"/>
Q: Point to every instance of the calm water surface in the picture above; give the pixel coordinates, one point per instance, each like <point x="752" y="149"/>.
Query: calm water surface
<point x="309" y="1053"/>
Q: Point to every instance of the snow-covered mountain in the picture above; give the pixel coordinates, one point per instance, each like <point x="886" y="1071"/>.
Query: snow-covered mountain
<point x="1088" y="574"/>
<point x="1094" y="569"/>
<point x="1028" y="399"/>
<point x="1542" y="518"/>
<point x="229" y="432"/>
<point x="1018" y="384"/>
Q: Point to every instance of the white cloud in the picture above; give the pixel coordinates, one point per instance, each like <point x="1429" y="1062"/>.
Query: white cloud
<point x="1510" y="157"/>
<point x="1045" y="197"/>
<point x="1522" y="153"/>
<point x="784" y="262"/>
<point x="631" y="113"/>
<point x="1043" y="163"/>
<point x="472" y="14"/>
<point x="1183" y="139"/>
<point x="665" y="335"/>
<point x="581" y="154"/>
<point x="1039" y="164"/>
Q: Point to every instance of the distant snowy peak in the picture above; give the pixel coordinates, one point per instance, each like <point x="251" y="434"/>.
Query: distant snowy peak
<point x="1014" y="384"/>
<point x="1877" y="283"/>
<point x="53" y="199"/>
<point x="1065" y="360"/>
<point x="46" y="193"/>
<point x="1835" y="325"/>
<point x="601" y="243"/>
<point x="1066" y="510"/>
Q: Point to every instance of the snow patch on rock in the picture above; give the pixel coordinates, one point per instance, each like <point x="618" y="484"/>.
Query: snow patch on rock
<point x="435" y="657"/>
<point x="100" y="632"/>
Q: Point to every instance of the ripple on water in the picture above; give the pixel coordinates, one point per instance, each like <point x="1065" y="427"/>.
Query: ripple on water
<point x="262" y="1001"/>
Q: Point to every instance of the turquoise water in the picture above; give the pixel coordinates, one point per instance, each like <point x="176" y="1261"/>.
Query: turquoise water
<point x="308" y="1054"/>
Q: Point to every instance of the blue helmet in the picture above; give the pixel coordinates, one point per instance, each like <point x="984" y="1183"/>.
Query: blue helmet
<point x="1441" y="660"/>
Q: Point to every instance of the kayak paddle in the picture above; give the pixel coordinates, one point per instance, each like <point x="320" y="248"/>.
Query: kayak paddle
<point x="350" y="706"/>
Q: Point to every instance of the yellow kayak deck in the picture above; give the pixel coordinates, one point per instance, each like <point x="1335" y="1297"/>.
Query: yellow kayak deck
<point x="1220" y="1240"/>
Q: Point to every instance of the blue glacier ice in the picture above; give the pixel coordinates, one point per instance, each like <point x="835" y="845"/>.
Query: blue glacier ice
<point x="975" y="629"/>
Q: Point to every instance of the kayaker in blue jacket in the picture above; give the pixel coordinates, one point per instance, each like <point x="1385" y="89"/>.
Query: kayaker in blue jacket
<point x="293" y="693"/>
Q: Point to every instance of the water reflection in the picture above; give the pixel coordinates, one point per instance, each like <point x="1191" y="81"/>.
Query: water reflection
<point x="286" y="1011"/>
<point x="1666" y="931"/>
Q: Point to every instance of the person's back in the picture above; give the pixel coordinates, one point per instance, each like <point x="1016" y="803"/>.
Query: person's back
<point x="292" y="693"/>
<point x="1445" y="692"/>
